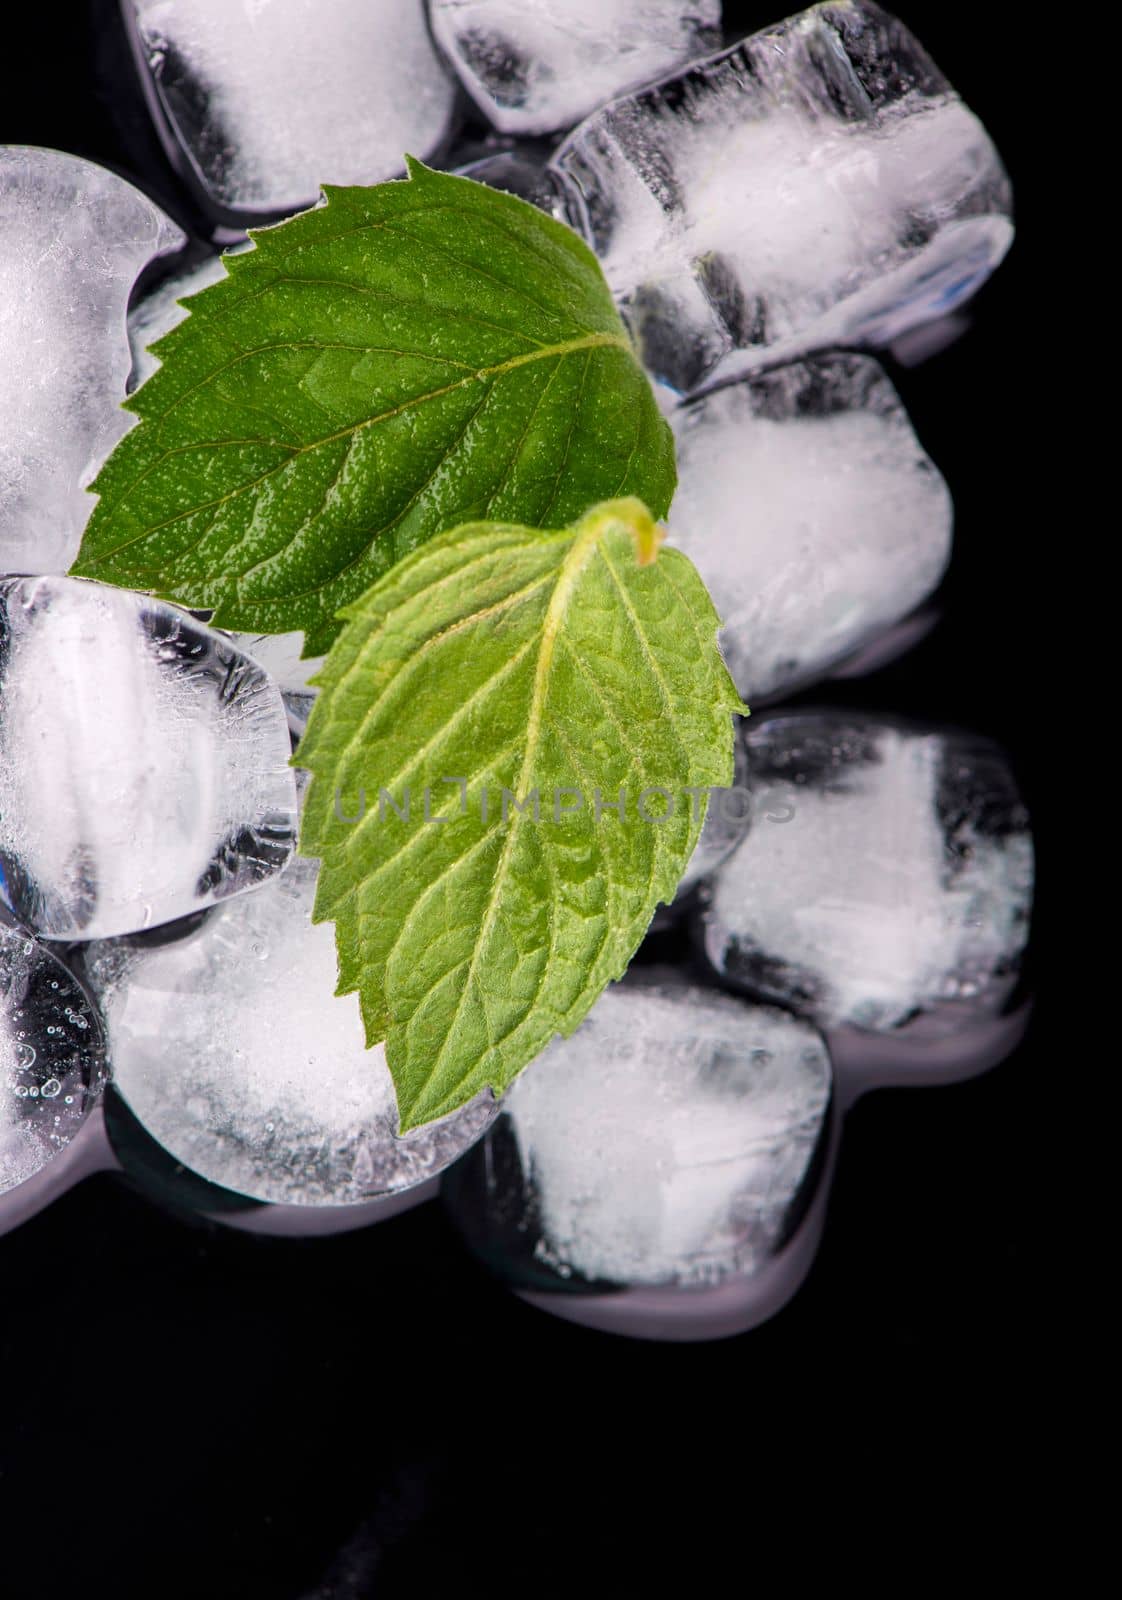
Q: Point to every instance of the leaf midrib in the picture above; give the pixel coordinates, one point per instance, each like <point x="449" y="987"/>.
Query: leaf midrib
<point x="569" y="572"/>
<point x="566" y="347"/>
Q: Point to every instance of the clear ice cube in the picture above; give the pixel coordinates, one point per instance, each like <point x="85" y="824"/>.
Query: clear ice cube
<point x="268" y="99"/>
<point x="894" y="883"/>
<point x="143" y="761"/>
<point x="232" y="1049"/>
<point x="73" y="240"/>
<point x="534" y="66"/>
<point x="811" y="511"/>
<point x="819" y="184"/>
<point x="50" y="1056"/>
<point x="667" y="1141"/>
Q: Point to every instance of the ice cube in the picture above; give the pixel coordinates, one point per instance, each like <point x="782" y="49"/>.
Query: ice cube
<point x="666" y="1142"/>
<point x="518" y="172"/>
<point x="233" y="1050"/>
<point x="818" y="184"/>
<point x="73" y="240"/>
<point x="158" y="312"/>
<point x="269" y="99"/>
<point x="143" y="761"/>
<point x="894" y="883"/>
<point x="533" y="66"/>
<point x="280" y="655"/>
<point x="50" y="1056"/>
<point x="812" y="513"/>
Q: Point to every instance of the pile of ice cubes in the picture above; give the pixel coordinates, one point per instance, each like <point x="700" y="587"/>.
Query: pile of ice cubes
<point x="768" y="211"/>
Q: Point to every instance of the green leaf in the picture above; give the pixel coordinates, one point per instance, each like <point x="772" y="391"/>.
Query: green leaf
<point x="405" y="359"/>
<point x="505" y="657"/>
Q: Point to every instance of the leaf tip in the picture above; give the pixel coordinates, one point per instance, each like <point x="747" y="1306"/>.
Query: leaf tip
<point x="632" y="516"/>
<point x="82" y="565"/>
<point x="648" y="538"/>
<point x="407" y="1121"/>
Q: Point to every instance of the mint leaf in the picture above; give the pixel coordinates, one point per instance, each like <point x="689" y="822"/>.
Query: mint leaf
<point x="405" y="359"/>
<point x="505" y="658"/>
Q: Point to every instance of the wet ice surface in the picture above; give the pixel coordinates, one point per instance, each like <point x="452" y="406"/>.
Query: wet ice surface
<point x="668" y="1139"/>
<point x="812" y="513"/>
<point x="534" y="66"/>
<point x="898" y="882"/>
<point x="73" y="240"/>
<point x="143" y="761"/>
<point x="819" y="184"/>
<point x="271" y="98"/>
<point x="50" y="1062"/>
<point x="232" y="1049"/>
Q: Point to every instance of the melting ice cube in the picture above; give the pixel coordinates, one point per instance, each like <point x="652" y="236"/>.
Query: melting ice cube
<point x="895" y="881"/>
<point x="73" y="240"/>
<point x="666" y="1142"/>
<point x="813" y="514"/>
<point x="232" y="1049"/>
<point x="268" y="99"/>
<point x="534" y="66"/>
<point x="819" y="184"/>
<point x="143" y="761"/>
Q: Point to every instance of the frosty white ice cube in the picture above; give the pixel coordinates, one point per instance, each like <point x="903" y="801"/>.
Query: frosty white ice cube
<point x="73" y="240"/>
<point x="534" y="66"/>
<point x="813" y="514"/>
<point x="143" y="761"/>
<point x="264" y="100"/>
<point x="894" y="889"/>
<point x="667" y="1142"/>
<point x="821" y="183"/>
<point x="50" y="1057"/>
<point x="232" y="1049"/>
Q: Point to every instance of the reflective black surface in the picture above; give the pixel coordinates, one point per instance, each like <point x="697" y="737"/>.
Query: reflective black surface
<point x="189" y="1411"/>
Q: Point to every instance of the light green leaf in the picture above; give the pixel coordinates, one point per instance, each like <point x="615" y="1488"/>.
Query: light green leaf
<point x="405" y="359"/>
<point x="502" y="657"/>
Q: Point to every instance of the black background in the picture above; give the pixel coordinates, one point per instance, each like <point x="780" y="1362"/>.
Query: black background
<point x="188" y="1411"/>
